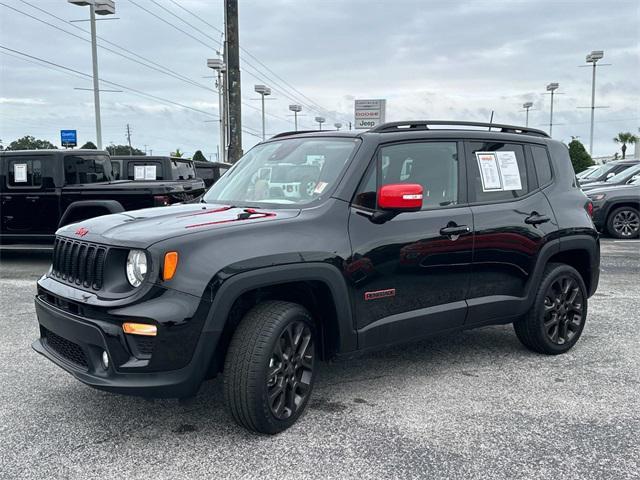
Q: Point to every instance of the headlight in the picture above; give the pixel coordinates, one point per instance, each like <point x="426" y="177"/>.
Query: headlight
<point x="136" y="267"/>
<point x="597" y="196"/>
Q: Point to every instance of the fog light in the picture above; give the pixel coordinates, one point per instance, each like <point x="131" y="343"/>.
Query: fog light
<point x="105" y="360"/>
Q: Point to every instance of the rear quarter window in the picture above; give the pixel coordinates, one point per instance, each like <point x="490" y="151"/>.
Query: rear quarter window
<point x="542" y="165"/>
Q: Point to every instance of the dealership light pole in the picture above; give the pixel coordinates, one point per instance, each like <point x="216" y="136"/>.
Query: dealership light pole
<point x="263" y="91"/>
<point x="295" y="109"/>
<point x="320" y="121"/>
<point x="593" y="58"/>
<point x="218" y="65"/>
<point x="338" y="125"/>
<point x="552" y="87"/>
<point x="96" y="7"/>
<point x="527" y="106"/>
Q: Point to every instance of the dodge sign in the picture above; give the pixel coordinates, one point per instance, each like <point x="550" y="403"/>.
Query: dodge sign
<point x="369" y="113"/>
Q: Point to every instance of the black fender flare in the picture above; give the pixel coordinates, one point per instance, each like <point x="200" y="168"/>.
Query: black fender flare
<point x="243" y="282"/>
<point x="112" y="206"/>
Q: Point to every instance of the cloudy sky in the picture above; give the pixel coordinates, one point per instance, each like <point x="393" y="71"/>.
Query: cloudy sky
<point x="455" y="60"/>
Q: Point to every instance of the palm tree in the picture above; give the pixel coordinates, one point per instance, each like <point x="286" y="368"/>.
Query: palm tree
<point x="177" y="153"/>
<point x="624" y="138"/>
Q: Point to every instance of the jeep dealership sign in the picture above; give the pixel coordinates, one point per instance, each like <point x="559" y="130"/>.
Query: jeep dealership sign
<point x="369" y="113"/>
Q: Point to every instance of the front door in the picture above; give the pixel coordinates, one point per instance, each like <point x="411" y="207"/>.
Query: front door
<point x="410" y="275"/>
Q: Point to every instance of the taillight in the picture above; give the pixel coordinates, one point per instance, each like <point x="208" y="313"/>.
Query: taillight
<point x="161" y="200"/>
<point x="589" y="208"/>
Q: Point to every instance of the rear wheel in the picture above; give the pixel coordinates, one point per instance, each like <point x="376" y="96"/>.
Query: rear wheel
<point x="270" y="367"/>
<point x="556" y="320"/>
<point x="624" y="222"/>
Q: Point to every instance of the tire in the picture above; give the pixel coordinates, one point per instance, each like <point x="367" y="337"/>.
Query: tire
<point x="557" y="317"/>
<point x="267" y="383"/>
<point x="624" y="222"/>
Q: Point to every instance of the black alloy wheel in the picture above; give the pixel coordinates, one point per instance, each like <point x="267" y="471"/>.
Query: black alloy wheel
<point x="563" y="313"/>
<point x="624" y="223"/>
<point x="558" y="314"/>
<point x="290" y="370"/>
<point x="270" y="366"/>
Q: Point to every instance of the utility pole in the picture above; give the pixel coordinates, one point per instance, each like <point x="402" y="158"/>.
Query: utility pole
<point x="232" y="61"/>
<point x="129" y="140"/>
<point x="145" y="148"/>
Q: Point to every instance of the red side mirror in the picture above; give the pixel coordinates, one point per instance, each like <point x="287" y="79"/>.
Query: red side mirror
<point x="400" y="197"/>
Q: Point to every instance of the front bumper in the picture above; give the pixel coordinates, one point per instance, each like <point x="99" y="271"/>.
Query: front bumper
<point x="75" y="343"/>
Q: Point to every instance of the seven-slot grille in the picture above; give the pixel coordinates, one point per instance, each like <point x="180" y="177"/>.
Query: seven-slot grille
<point x="79" y="263"/>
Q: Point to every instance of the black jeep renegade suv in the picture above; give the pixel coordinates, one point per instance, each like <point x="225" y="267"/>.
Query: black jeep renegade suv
<point x="404" y="231"/>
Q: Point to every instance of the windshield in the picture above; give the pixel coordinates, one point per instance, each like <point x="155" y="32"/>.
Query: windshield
<point x="293" y="171"/>
<point x="624" y="175"/>
<point x="586" y="173"/>
<point x="598" y="172"/>
<point x="182" y="170"/>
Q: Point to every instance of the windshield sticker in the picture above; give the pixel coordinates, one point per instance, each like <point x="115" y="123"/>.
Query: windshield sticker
<point x="509" y="171"/>
<point x="20" y="173"/>
<point x="489" y="173"/>
<point x="320" y="188"/>
<point x="138" y="172"/>
<point x="150" y="172"/>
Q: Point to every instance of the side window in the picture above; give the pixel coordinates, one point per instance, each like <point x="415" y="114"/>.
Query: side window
<point x="25" y="172"/>
<point x="541" y="162"/>
<point x="79" y="170"/>
<point x="495" y="183"/>
<point x="144" y="170"/>
<point x="115" y="166"/>
<point x="434" y="165"/>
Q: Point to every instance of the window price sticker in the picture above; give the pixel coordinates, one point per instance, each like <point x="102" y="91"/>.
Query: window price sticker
<point x="489" y="172"/>
<point x="20" y="173"/>
<point x="499" y="171"/>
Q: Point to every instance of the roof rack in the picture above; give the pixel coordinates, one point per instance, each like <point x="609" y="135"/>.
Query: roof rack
<point x="424" y="125"/>
<point x="293" y="132"/>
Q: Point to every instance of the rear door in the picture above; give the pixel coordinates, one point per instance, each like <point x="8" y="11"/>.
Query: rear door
<point x="30" y="202"/>
<point x="513" y="220"/>
<point x="410" y="275"/>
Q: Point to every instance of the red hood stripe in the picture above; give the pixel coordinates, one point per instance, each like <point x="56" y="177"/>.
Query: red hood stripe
<point x="254" y="216"/>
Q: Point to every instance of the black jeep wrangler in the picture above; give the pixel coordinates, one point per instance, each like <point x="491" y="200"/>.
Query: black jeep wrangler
<point x="410" y="229"/>
<point x="42" y="190"/>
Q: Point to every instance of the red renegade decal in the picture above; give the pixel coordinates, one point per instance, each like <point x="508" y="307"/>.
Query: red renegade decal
<point x="81" y="232"/>
<point x="390" y="292"/>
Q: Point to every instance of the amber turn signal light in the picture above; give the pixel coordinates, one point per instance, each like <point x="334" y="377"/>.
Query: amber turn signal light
<point x="140" y="329"/>
<point x="170" y="265"/>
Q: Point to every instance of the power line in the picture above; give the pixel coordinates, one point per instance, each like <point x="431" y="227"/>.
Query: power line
<point x="310" y="104"/>
<point x="161" y="69"/>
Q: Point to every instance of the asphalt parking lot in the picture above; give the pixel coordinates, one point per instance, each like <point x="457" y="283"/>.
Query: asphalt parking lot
<point x="474" y="405"/>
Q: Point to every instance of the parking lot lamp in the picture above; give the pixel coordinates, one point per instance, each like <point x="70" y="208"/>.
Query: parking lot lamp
<point x="295" y="109"/>
<point x="263" y="91"/>
<point x="218" y="65"/>
<point x="96" y="7"/>
<point x="320" y="121"/>
<point x="593" y="58"/>
<point x="338" y="125"/>
<point x="527" y="106"/>
<point x="552" y="87"/>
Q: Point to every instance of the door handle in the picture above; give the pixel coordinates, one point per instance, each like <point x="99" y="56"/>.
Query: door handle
<point x="536" y="219"/>
<point x="454" y="231"/>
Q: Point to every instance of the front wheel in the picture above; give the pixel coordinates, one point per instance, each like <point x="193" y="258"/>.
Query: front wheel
<point x="555" y="322"/>
<point x="624" y="222"/>
<point x="270" y="367"/>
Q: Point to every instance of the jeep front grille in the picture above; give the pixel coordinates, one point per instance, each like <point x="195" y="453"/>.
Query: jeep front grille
<point x="79" y="263"/>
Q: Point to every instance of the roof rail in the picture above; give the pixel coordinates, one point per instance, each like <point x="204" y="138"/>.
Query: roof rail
<point x="293" y="132"/>
<point x="424" y="125"/>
